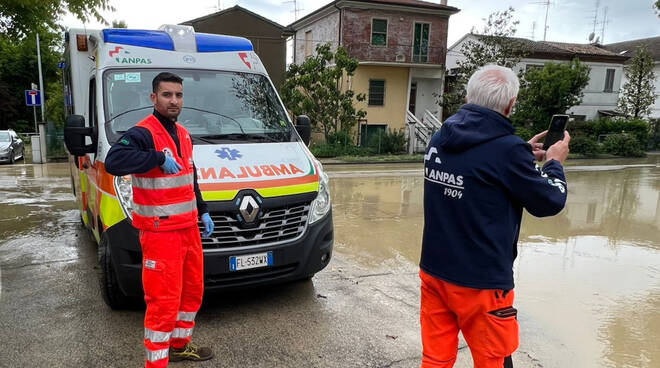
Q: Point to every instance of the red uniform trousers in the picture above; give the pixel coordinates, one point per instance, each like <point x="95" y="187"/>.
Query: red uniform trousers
<point x="173" y="282"/>
<point x="486" y="318"/>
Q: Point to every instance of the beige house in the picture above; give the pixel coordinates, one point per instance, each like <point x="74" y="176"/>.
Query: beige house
<point x="401" y="47"/>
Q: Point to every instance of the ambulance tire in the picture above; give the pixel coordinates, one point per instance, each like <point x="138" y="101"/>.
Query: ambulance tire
<point x="112" y="294"/>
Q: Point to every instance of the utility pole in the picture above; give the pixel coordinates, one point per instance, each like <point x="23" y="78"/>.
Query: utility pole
<point x="41" y="83"/>
<point x="545" y="24"/>
<point x="533" y="29"/>
<point x="602" y="30"/>
<point x="545" y="3"/>
<point x="296" y="10"/>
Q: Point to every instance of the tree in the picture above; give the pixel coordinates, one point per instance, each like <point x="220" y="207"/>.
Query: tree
<point x="20" y="17"/>
<point x="315" y="88"/>
<point x="638" y="93"/>
<point x="494" y="45"/>
<point x="550" y="90"/>
<point x="657" y="7"/>
<point x="119" y="24"/>
<point x="18" y="69"/>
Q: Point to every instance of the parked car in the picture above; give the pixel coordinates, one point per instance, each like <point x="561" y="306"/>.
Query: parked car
<point x="11" y="146"/>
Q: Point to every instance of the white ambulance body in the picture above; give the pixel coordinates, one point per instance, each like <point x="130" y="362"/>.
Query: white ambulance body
<point x="266" y="193"/>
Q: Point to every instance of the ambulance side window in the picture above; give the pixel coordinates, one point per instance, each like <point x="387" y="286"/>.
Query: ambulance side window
<point x="93" y="119"/>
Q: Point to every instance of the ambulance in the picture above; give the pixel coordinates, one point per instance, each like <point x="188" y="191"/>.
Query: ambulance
<point x="267" y="195"/>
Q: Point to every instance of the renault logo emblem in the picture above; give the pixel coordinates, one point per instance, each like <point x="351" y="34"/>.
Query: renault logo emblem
<point x="249" y="208"/>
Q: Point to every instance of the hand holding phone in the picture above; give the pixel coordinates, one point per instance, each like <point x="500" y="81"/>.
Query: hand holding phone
<point x="555" y="130"/>
<point x="559" y="151"/>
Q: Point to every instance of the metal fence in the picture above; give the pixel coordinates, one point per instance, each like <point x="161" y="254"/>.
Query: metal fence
<point x="55" y="142"/>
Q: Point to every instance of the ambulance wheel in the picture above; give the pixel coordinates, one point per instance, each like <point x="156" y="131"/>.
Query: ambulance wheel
<point x="112" y="294"/>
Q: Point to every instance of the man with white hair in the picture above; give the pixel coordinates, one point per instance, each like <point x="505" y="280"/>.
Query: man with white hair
<point x="478" y="178"/>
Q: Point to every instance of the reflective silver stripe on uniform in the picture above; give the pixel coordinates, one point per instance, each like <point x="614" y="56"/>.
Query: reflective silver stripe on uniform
<point x="181" y="333"/>
<point x="156" y="336"/>
<point x="162" y="183"/>
<point x="164" y="210"/>
<point x="154" y="355"/>
<point x="186" y="316"/>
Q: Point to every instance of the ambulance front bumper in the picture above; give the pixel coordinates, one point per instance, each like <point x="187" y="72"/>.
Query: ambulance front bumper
<point x="297" y="259"/>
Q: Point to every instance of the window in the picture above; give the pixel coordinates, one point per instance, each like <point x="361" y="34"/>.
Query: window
<point x="93" y="120"/>
<point x="609" y="80"/>
<point x="376" y="92"/>
<point x="379" y="32"/>
<point x="421" y="43"/>
<point x="214" y="104"/>
<point x="308" y="43"/>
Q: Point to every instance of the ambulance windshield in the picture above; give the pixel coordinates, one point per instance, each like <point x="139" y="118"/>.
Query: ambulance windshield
<point x="216" y="105"/>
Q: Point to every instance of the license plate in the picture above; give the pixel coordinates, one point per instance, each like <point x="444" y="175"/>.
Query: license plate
<point x="237" y="263"/>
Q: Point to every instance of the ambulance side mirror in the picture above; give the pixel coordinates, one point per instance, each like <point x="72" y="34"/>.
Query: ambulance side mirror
<point x="304" y="128"/>
<point x="75" y="132"/>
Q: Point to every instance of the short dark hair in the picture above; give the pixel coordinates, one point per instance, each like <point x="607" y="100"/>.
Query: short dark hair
<point x="165" y="77"/>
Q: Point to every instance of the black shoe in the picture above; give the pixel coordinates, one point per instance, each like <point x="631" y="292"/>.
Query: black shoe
<point x="190" y="352"/>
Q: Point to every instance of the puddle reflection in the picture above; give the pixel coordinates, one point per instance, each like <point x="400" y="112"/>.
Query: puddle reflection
<point x="587" y="279"/>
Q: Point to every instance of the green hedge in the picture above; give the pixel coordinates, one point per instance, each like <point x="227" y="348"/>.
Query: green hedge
<point x="584" y="145"/>
<point x="595" y="128"/>
<point x="342" y="144"/>
<point x="623" y="145"/>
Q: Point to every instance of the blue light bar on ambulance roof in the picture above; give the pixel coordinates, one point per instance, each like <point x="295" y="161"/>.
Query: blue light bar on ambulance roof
<point x="214" y="43"/>
<point x="142" y="38"/>
<point x="161" y="40"/>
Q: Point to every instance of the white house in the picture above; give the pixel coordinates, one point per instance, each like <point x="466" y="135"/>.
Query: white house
<point x="600" y="95"/>
<point x="628" y="49"/>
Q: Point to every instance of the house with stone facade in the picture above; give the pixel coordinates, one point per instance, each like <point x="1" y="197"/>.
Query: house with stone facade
<point x="401" y="47"/>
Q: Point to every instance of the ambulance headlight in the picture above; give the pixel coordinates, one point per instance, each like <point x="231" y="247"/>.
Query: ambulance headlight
<point x="321" y="205"/>
<point x="124" y="192"/>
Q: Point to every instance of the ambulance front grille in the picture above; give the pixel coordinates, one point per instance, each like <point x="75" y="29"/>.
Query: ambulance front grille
<point x="276" y="226"/>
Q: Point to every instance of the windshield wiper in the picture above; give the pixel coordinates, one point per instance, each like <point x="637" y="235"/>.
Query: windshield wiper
<point x="238" y="137"/>
<point x="219" y="114"/>
<point x="126" y="112"/>
<point x="202" y="139"/>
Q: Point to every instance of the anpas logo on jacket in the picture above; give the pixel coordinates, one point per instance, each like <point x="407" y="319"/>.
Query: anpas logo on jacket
<point x="453" y="183"/>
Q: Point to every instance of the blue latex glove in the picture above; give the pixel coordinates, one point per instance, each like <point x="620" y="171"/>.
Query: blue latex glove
<point x="170" y="166"/>
<point x="208" y="225"/>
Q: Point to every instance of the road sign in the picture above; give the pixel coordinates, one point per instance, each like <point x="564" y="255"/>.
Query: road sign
<point x="32" y="98"/>
<point x="34" y="87"/>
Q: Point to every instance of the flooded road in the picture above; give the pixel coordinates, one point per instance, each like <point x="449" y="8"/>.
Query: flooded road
<point x="587" y="280"/>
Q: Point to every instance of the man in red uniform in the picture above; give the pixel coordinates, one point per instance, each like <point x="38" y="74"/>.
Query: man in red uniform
<point x="157" y="152"/>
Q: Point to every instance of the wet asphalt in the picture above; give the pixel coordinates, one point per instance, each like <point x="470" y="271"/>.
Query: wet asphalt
<point x="52" y="313"/>
<point x="362" y="310"/>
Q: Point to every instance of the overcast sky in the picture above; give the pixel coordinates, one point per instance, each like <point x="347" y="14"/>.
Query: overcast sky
<point x="568" y="20"/>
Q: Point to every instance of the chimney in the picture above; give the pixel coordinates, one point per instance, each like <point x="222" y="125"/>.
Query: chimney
<point x="443" y="2"/>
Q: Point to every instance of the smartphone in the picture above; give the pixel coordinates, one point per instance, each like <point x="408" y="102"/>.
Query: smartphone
<point x="555" y="130"/>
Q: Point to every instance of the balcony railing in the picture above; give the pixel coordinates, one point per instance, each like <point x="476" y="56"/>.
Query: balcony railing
<point x="396" y="53"/>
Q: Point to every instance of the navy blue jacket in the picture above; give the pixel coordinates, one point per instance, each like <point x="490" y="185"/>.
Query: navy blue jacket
<point x="135" y="153"/>
<point x="478" y="178"/>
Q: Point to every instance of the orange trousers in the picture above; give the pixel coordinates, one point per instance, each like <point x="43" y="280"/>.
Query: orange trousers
<point x="173" y="282"/>
<point x="486" y="318"/>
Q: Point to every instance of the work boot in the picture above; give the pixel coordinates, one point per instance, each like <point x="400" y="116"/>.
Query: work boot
<point x="190" y="352"/>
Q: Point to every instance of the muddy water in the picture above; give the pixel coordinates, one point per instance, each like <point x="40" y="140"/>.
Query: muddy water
<point x="36" y="207"/>
<point x="587" y="280"/>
